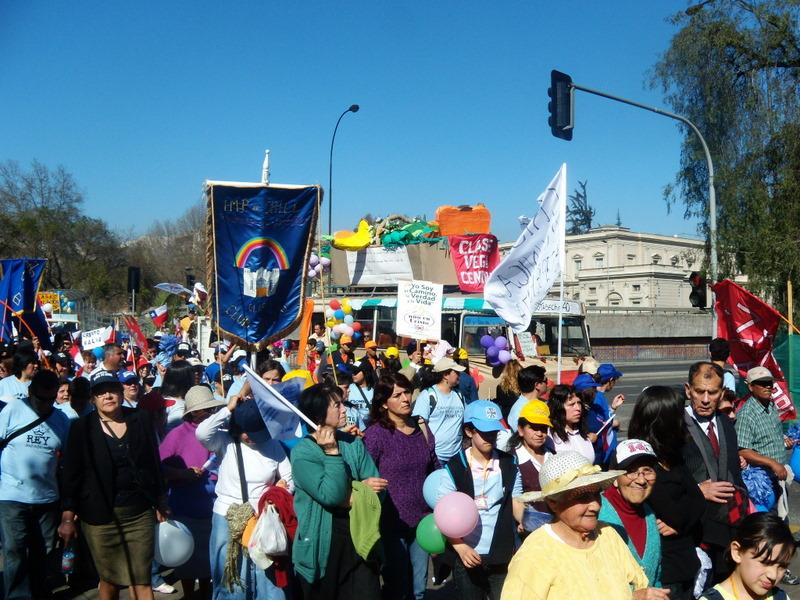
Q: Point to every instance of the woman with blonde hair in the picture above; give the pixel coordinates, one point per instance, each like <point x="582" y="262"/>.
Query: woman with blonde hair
<point x="508" y="387"/>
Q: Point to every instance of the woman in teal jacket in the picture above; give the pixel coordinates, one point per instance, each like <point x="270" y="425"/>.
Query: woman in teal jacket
<point x="326" y="463"/>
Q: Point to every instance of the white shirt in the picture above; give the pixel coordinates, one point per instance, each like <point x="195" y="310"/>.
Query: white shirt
<point x="703" y="422"/>
<point x="574" y="442"/>
<point x="265" y="463"/>
<point x="12" y="388"/>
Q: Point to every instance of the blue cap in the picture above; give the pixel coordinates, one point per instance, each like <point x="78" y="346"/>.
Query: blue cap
<point x="483" y="415"/>
<point x="584" y="381"/>
<point x="128" y="377"/>
<point x="247" y="417"/>
<point x="608" y="371"/>
<point x="103" y="379"/>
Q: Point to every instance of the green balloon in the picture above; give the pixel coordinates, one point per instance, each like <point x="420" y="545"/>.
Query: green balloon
<point x="429" y="537"/>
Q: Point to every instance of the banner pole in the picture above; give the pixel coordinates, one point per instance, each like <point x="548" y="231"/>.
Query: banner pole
<point x="562" y="261"/>
<point x="279" y="396"/>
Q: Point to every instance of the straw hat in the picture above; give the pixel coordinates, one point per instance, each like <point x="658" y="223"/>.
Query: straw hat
<point x="566" y="471"/>
<point x="200" y="397"/>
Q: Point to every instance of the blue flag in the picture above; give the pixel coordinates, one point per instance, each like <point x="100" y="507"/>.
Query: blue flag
<point x="277" y="404"/>
<point x="19" y="285"/>
<point x="261" y="241"/>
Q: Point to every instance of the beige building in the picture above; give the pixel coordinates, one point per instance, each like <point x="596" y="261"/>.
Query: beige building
<point x="613" y="266"/>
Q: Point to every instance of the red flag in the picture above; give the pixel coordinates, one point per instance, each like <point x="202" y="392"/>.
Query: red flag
<point x="136" y="332"/>
<point x="474" y="258"/>
<point x="750" y="324"/>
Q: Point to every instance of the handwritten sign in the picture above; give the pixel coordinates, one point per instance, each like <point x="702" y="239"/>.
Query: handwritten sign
<point x="94" y="338"/>
<point x="527" y="344"/>
<point x="474" y="258"/>
<point x="535" y="261"/>
<point x="419" y="309"/>
<point x="378" y="266"/>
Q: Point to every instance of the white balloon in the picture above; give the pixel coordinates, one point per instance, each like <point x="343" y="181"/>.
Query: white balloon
<point x="48" y="308"/>
<point x="318" y="268"/>
<point x="174" y="543"/>
<point x="311" y="273"/>
<point x="313" y="260"/>
<point x="325" y="261"/>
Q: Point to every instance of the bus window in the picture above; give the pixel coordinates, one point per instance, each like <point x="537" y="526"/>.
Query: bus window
<point x="545" y="333"/>
<point x="476" y="326"/>
<point x="385" y="334"/>
<point x="450" y="328"/>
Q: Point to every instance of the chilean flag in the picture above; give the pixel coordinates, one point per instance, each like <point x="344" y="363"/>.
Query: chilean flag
<point x="159" y="315"/>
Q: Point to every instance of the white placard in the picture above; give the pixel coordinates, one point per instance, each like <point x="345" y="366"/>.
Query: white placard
<point x="94" y="338"/>
<point x="535" y="261"/>
<point x="378" y="266"/>
<point x="419" y="309"/>
<point x="527" y="344"/>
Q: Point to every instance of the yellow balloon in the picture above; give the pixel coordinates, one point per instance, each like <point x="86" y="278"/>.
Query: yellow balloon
<point x="330" y="323"/>
<point x="302" y="374"/>
<point x="346" y="306"/>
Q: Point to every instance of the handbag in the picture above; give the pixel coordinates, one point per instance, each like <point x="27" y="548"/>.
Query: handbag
<point x="269" y="539"/>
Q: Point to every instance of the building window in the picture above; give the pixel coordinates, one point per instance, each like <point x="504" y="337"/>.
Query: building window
<point x="592" y="290"/>
<point x="636" y="287"/>
<point x="615" y="303"/>
<point x="674" y="261"/>
<point x="576" y="296"/>
<point x="598" y="261"/>
<point x="656" y="259"/>
<point x="577" y="264"/>
<point x="636" y="302"/>
<point x="592" y="303"/>
<point x="631" y="257"/>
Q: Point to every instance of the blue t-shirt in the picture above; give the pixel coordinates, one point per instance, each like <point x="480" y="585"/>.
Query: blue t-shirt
<point x="11" y="388"/>
<point x="445" y="420"/>
<point x="29" y="462"/>
<point x="606" y="443"/>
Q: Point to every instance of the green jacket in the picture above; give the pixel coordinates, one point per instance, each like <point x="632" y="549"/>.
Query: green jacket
<point x="322" y="482"/>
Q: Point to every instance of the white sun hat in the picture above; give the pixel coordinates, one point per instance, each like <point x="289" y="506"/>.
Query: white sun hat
<point x="566" y="471"/>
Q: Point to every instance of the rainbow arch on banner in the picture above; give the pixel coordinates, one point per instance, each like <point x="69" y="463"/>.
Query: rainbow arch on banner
<point x="254" y="244"/>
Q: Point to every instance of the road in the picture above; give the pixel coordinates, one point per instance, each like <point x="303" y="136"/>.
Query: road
<point x="636" y="377"/>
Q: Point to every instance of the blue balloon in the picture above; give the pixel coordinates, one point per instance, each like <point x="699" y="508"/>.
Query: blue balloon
<point x="492" y="353"/>
<point x="338" y="314"/>
<point x="357" y="336"/>
<point x="487" y="341"/>
<point x="98" y="353"/>
<point x="430" y="489"/>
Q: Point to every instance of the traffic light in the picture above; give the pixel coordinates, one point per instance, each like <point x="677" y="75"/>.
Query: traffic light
<point x="560" y="105"/>
<point x="134" y="275"/>
<point x="698" y="294"/>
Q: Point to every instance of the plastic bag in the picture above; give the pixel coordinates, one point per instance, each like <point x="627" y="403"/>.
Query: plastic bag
<point x="269" y="538"/>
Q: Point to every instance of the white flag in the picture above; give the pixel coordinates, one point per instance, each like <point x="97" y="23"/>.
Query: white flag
<point x="278" y="405"/>
<point x="535" y="261"/>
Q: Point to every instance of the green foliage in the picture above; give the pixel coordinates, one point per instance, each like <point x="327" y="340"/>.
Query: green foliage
<point x="580" y="214"/>
<point x="733" y="68"/>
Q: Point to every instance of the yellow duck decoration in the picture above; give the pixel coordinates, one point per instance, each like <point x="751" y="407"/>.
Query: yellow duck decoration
<point x="347" y="240"/>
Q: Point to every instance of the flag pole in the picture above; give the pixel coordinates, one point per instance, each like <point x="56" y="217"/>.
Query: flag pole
<point x="250" y="372"/>
<point x="562" y="261"/>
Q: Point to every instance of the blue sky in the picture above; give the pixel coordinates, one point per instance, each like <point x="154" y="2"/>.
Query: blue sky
<point x="143" y="101"/>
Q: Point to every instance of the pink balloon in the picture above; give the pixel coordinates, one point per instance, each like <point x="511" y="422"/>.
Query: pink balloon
<point x="456" y="515"/>
<point x="504" y="356"/>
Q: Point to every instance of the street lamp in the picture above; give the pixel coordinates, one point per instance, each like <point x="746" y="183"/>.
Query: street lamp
<point x="354" y="109"/>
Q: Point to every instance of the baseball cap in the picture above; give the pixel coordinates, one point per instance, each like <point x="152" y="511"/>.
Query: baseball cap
<point x="247" y="417"/>
<point x="630" y="450"/>
<point x="238" y="354"/>
<point x="104" y="379"/>
<point x="584" y="381"/>
<point x="128" y="377"/>
<point x="759" y="374"/>
<point x="446" y="364"/>
<point x="462" y="354"/>
<point x="371" y="344"/>
<point x="483" y="415"/>
<point x="607" y="371"/>
<point x="62" y="358"/>
<point x="392" y="352"/>
<point x="212" y="371"/>
<point x="184" y="349"/>
<point x="536" y="412"/>
<point x="345" y="339"/>
<point x="589" y="365"/>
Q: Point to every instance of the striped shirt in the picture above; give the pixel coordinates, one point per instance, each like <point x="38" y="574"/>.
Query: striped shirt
<point x="759" y="428"/>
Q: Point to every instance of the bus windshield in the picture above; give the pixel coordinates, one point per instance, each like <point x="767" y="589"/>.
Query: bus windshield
<point x="544" y="330"/>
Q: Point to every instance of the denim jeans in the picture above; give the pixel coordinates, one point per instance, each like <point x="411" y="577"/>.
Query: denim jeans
<point x="258" y="584"/>
<point x="405" y="570"/>
<point x="29" y="537"/>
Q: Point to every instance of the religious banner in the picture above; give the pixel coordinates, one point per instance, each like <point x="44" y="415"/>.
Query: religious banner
<point x="261" y="240"/>
<point x="534" y="262"/>
<point x="419" y="309"/>
<point x="474" y="258"/>
<point x="750" y="324"/>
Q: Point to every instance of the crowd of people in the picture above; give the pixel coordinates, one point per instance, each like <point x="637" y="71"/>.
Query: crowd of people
<point x="95" y="455"/>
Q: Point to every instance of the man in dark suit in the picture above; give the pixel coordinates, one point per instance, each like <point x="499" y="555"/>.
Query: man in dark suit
<point x="711" y="454"/>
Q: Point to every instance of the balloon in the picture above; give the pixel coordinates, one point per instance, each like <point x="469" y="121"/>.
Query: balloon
<point x="501" y="343"/>
<point x="339" y="314"/>
<point x="347" y="330"/>
<point x="71" y="304"/>
<point x="174" y="543"/>
<point x="98" y="353"/>
<point x="313" y="260"/>
<point x="335" y="335"/>
<point x="328" y="313"/>
<point x="338" y="328"/>
<point x="346" y="307"/>
<point x="456" y="515"/>
<point x="494" y="363"/>
<point x="430" y="489"/>
<point x="429" y="537"/>
<point x="334" y="304"/>
<point x="48" y="308"/>
<point x="357" y="336"/>
<point x="504" y="356"/>
<point x="356" y="326"/>
<point x="492" y="352"/>
<point x="311" y="273"/>
<point x="348" y="319"/>
<point x="318" y="268"/>
<point x="330" y="323"/>
<point x="487" y="341"/>
<point x="325" y="261"/>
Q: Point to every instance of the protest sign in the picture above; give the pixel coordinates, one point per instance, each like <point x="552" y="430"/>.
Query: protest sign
<point x="95" y="338"/>
<point x="535" y="261"/>
<point x="419" y="309"/>
<point x="474" y="258"/>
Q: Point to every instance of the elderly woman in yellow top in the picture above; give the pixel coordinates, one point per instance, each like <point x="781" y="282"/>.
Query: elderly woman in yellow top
<point x="573" y="557"/>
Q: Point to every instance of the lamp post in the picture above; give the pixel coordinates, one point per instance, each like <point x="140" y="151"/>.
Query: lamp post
<point x="354" y="109"/>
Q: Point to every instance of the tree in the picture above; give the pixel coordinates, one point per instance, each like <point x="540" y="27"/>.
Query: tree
<point x="42" y="218"/>
<point x="733" y="69"/>
<point x="580" y="214"/>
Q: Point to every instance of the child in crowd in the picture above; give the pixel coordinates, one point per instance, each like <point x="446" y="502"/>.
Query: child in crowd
<point x="760" y="554"/>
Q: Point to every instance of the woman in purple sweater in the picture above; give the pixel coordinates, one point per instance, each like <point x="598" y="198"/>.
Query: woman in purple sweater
<point x="404" y="455"/>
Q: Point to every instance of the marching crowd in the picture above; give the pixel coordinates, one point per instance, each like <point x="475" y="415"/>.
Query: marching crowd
<point x="94" y="457"/>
